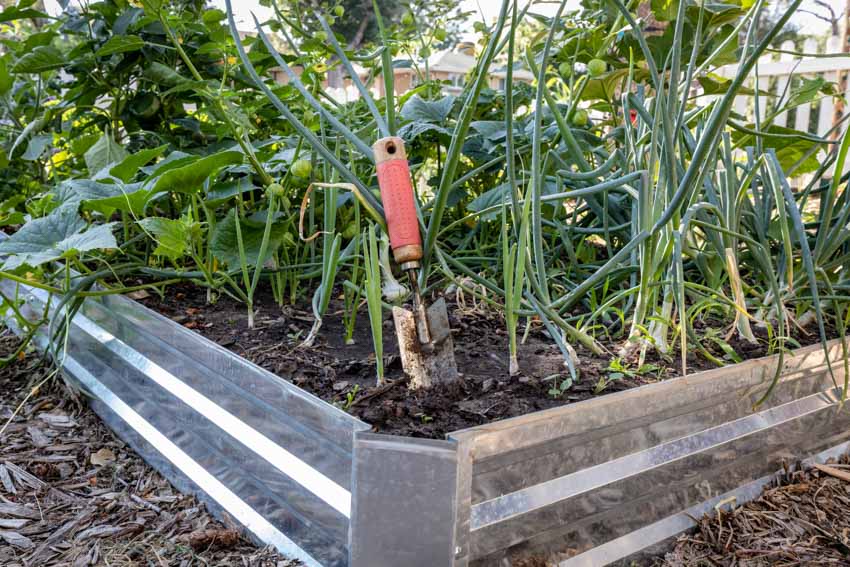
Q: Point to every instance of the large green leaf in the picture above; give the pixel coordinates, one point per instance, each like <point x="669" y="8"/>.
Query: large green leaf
<point x="810" y="89"/>
<point x="105" y="151"/>
<point x="173" y="237"/>
<point x="182" y="174"/>
<point x="40" y="59"/>
<point x="6" y="80"/>
<point x="14" y="13"/>
<point x="131" y="164"/>
<point x="605" y="86"/>
<point x="120" y="44"/>
<point x="713" y="84"/>
<point x="36" y="147"/>
<point x="163" y="75"/>
<point x="10" y="213"/>
<point x="413" y="130"/>
<point x="171" y="161"/>
<point x="490" y="198"/>
<point x="664" y="10"/>
<point x="220" y="193"/>
<point x="190" y="177"/>
<point x="52" y="237"/>
<point x="492" y="130"/>
<point x="127" y="18"/>
<point x="418" y="109"/>
<point x="103" y="197"/>
<point x="790" y="146"/>
<point x="27" y="133"/>
<point x="38" y="39"/>
<point x="225" y="245"/>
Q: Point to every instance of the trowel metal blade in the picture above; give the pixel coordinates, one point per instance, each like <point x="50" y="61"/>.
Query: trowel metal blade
<point x="434" y="364"/>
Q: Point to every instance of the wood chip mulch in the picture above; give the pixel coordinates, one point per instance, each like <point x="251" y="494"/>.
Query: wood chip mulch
<point x="73" y="494"/>
<point x="803" y="519"/>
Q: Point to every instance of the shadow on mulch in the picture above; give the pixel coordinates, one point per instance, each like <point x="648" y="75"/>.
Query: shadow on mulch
<point x="803" y="519"/>
<point x="73" y="494"/>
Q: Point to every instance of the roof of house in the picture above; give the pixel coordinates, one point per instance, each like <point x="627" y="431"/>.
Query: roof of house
<point x="451" y="62"/>
<point x="520" y="72"/>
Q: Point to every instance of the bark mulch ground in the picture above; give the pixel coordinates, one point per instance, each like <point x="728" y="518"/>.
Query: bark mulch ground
<point x="73" y="494"/>
<point x="803" y="519"/>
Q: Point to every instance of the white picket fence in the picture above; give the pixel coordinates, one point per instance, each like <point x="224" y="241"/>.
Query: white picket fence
<point x="775" y="71"/>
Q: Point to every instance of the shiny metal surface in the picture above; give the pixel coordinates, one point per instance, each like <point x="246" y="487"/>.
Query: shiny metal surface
<point x="256" y="448"/>
<point x="327" y="490"/>
<point x="405" y="505"/>
<point x="671" y="526"/>
<point x="230" y="502"/>
<point x="558" y="483"/>
<point x="546" y="493"/>
<point x="583" y="484"/>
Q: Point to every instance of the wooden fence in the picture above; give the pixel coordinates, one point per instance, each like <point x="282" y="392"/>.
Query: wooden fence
<point x="779" y="73"/>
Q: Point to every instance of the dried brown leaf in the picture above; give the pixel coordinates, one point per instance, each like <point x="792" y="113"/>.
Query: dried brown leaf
<point x="102" y="457"/>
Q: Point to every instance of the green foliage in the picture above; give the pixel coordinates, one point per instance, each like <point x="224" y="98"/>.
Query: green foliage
<point x="173" y="237"/>
<point x="225" y="241"/>
<point x="58" y="235"/>
<point x="104" y="152"/>
<point x="42" y="58"/>
<point x="605" y="199"/>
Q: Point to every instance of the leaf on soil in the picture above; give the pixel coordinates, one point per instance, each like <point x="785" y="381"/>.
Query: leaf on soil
<point x="139" y="294"/>
<point x="58" y="419"/>
<point x="212" y="538"/>
<point x="102" y="457"/>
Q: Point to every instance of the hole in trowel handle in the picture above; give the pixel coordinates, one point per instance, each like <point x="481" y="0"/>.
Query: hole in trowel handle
<point x="390" y="148"/>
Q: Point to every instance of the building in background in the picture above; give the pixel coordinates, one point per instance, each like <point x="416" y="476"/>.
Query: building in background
<point x="451" y="67"/>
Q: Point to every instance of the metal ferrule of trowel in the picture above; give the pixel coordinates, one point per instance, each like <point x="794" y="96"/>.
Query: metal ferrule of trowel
<point x="423" y="332"/>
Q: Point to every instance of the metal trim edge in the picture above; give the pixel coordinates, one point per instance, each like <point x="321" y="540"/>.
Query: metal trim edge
<point x="671" y="526"/>
<point x="228" y="500"/>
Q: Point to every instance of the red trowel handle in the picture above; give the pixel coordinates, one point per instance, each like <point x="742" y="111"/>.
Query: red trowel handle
<point x="397" y="196"/>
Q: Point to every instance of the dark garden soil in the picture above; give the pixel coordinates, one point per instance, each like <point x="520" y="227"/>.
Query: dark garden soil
<point x="802" y="519"/>
<point x="72" y="494"/>
<point x="344" y="374"/>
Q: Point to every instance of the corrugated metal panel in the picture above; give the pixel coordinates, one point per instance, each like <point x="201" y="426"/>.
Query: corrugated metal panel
<point x="560" y="482"/>
<point x="271" y="456"/>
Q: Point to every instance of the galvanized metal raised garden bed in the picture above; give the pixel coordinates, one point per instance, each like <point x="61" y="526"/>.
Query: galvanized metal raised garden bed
<point x="589" y="483"/>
